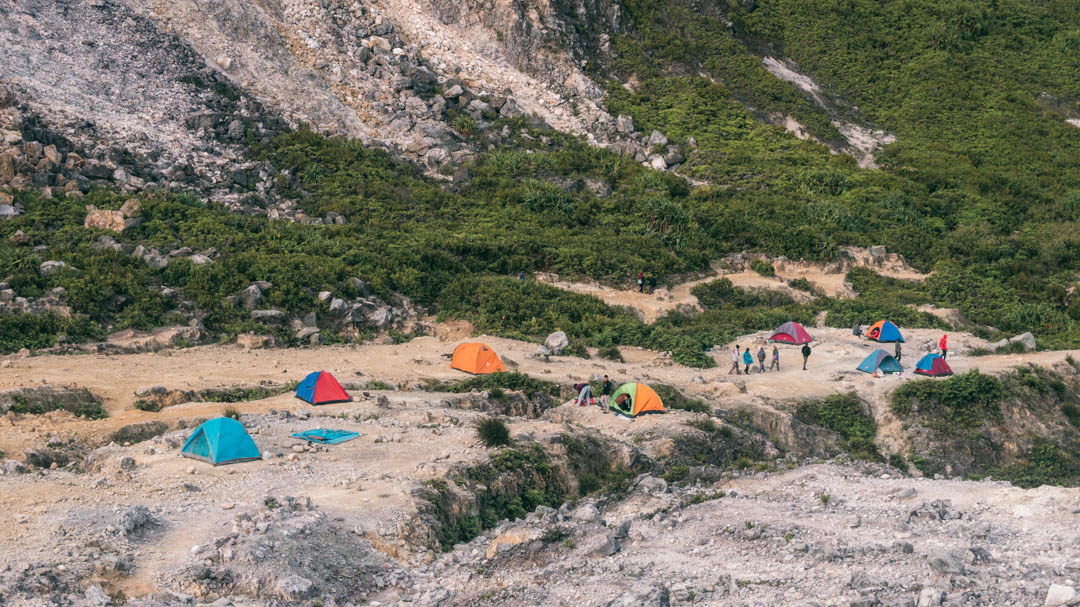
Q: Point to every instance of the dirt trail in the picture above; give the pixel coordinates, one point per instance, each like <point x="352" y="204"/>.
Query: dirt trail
<point x="649" y="306"/>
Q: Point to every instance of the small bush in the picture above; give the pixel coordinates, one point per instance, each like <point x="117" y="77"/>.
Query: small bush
<point x="231" y="412"/>
<point x="147" y="405"/>
<point x="577" y="349"/>
<point x="825" y="498"/>
<point x="611" y="353"/>
<point x="554" y="535"/>
<point x="762" y="267"/>
<point x="706" y="425"/>
<point x="1072" y="412"/>
<point x="493" y="432"/>
<point x="897" y="461"/>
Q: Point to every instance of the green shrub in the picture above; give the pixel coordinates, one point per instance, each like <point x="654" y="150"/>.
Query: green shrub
<point x="952" y="406"/>
<point x="231" y="412"/>
<point x="762" y="267"/>
<point x="897" y="461"/>
<point x="493" y="432"/>
<point x="845" y="415"/>
<point x="611" y="353"/>
<point x="1045" y="463"/>
<point x="148" y="405"/>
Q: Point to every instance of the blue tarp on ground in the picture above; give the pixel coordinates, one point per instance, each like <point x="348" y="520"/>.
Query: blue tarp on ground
<point x="324" y="436"/>
<point x="221" y="440"/>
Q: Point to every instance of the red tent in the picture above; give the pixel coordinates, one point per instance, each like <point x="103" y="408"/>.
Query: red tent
<point x="320" y="388"/>
<point x="791" y="333"/>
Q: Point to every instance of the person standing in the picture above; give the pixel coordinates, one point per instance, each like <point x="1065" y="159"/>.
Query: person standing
<point x="748" y="359"/>
<point x="652" y="284"/>
<point x="944" y="345"/>
<point x="775" y="359"/>
<point x="897" y="355"/>
<point x="734" y="361"/>
<point x="641" y="282"/>
<point x="761" y="358"/>
<point x="805" y="355"/>
<point x="605" y="391"/>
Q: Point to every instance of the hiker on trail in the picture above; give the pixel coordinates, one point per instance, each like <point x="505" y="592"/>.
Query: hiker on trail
<point x="521" y="274"/>
<point x="583" y="394"/>
<point x="641" y="282"/>
<point x="605" y="391"/>
<point x="897" y="356"/>
<point x="944" y="345"/>
<point x="761" y="358"/>
<point x="748" y="359"/>
<point x="734" y="361"/>
<point x="775" y="359"/>
<point x="805" y="355"/>
<point x="652" y="284"/>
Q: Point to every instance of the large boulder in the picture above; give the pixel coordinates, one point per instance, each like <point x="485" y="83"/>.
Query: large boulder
<point x="1061" y="596"/>
<point x="624" y="124"/>
<point x="657" y="138"/>
<point x="557" y="342"/>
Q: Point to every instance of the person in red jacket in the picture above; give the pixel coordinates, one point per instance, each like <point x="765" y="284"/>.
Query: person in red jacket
<point x="641" y="282"/>
<point x="944" y="345"/>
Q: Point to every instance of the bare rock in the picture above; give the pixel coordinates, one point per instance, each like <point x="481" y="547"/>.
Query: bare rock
<point x="624" y="124"/>
<point x="557" y="342"/>
<point x="101" y="219"/>
<point x="1061" y="596"/>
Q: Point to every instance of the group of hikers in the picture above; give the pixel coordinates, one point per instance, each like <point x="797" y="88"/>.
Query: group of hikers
<point x="746" y="359"/>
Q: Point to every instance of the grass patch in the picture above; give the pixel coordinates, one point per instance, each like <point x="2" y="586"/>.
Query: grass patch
<point x="673" y="399"/>
<point x="762" y="267"/>
<point x="514" y="381"/>
<point x="237" y="394"/>
<point x="492" y="432"/>
<point x="231" y="412"/>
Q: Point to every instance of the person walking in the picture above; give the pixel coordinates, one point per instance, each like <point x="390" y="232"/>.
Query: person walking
<point x="652" y="284"/>
<point x="775" y="359"/>
<point x="897" y="354"/>
<point x="761" y="358"/>
<point x="734" y="361"/>
<point x="748" y="359"/>
<point x="944" y="345"/>
<point x="805" y="355"/>
<point x="641" y="282"/>
<point x="605" y="392"/>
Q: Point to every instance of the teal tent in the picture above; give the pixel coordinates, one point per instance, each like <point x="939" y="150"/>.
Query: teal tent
<point x="221" y="440"/>
<point x="880" y="360"/>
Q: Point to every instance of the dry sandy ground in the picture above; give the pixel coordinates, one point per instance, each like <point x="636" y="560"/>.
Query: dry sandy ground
<point x="365" y="482"/>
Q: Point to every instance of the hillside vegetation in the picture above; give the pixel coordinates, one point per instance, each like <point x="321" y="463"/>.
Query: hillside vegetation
<point x="982" y="188"/>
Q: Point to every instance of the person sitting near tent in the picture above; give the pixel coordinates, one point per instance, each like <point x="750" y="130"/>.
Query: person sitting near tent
<point x="748" y="359"/>
<point x="775" y="359"/>
<point x="735" y="361"/>
<point x="944" y="345"/>
<point x="761" y="358"/>
<point x="805" y="355"/>
<point x="584" y="394"/>
<point x="605" y="391"/>
<point x="897" y="355"/>
<point x="857" y="330"/>
<point x="624" y="402"/>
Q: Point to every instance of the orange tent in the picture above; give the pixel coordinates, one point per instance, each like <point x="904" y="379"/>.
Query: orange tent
<point x="476" y="358"/>
<point x="643" y="399"/>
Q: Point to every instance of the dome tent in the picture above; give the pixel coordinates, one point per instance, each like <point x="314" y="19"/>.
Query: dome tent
<point x="321" y="388"/>
<point x="880" y="360"/>
<point x="933" y="365"/>
<point x="643" y="399"/>
<point x="884" y="331"/>
<point x="791" y="332"/>
<point x="221" y="440"/>
<point x="476" y="358"/>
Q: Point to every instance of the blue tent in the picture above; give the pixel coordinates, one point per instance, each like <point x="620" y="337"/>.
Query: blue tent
<point x="321" y="388"/>
<point x="221" y="440"/>
<point x="326" y="437"/>
<point x="884" y="330"/>
<point x="880" y="360"/>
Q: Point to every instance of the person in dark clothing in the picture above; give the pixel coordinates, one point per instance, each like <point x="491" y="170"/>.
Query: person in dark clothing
<point x="641" y="282"/>
<point x="761" y="358"/>
<point x="624" y="402"/>
<point x="775" y="359"/>
<point x="897" y="354"/>
<point x="605" y="391"/>
<point x="652" y="284"/>
<point x="805" y="355"/>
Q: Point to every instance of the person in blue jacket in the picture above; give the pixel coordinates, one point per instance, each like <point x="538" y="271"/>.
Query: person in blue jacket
<point x="748" y="360"/>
